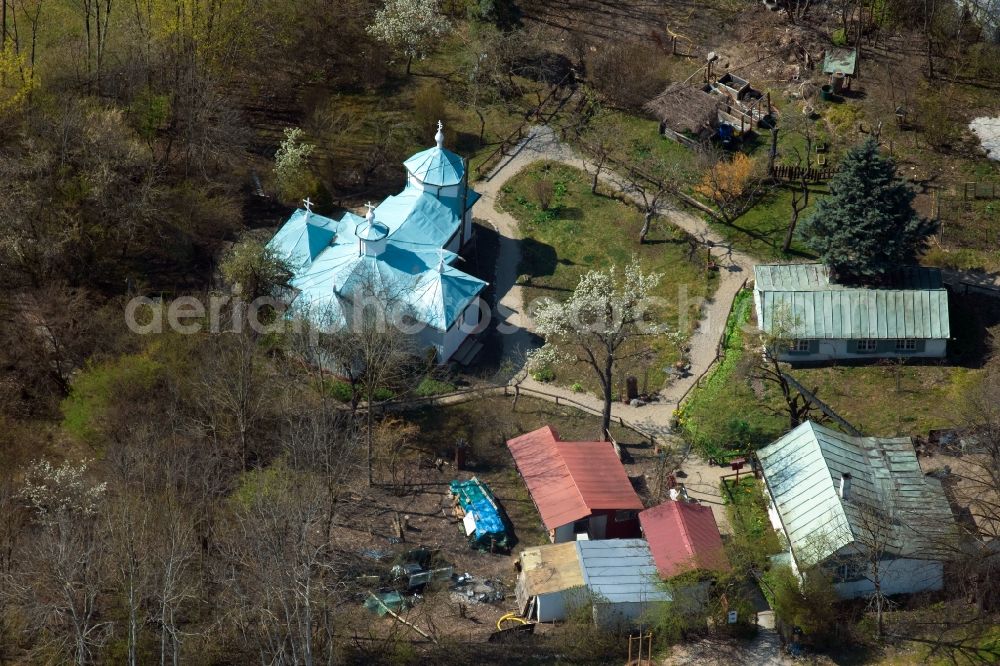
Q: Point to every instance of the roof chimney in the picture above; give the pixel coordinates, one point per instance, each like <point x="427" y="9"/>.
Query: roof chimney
<point x="845" y="486"/>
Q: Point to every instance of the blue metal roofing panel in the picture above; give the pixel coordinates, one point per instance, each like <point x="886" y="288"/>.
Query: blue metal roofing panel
<point x="436" y="166"/>
<point x="301" y="239"/>
<point x="621" y="570"/>
<point x="415" y="217"/>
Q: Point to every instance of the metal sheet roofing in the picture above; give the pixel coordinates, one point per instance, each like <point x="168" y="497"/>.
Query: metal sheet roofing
<point x="620" y="571"/>
<point x="683" y="536"/>
<point x="570" y="480"/>
<point x="844" y="61"/>
<point x="551" y="568"/>
<point x="803" y="470"/>
<point x="416" y="217"/>
<point x="327" y="263"/>
<point x="303" y="237"/>
<point x="813" y="307"/>
<point x="436" y="166"/>
<point x="816" y="277"/>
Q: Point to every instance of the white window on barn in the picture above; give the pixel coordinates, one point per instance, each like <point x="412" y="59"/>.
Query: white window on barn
<point x="906" y="345"/>
<point x="866" y="346"/>
<point x="801" y="346"/>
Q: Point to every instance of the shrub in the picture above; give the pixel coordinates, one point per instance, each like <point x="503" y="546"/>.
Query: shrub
<point x="839" y="37"/>
<point x="430" y="386"/>
<point x="810" y="605"/>
<point x="629" y="74"/>
<point x="544" y="374"/>
<point x="577" y="387"/>
<point x="543" y="192"/>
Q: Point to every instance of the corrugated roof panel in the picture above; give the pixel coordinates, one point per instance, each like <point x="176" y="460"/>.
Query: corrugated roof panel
<point x="859" y="313"/>
<point x="803" y="471"/>
<point x="621" y="570"/>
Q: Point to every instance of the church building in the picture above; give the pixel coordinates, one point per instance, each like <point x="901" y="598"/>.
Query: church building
<point x="403" y="249"/>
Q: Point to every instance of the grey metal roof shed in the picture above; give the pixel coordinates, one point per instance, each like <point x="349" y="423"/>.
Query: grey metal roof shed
<point x="621" y="570"/>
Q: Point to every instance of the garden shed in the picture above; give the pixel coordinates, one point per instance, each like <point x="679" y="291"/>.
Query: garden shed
<point x="683" y="536"/>
<point x="581" y="489"/>
<point x="616" y="577"/>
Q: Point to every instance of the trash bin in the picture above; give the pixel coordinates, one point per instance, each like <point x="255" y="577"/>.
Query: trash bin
<point x="826" y="93"/>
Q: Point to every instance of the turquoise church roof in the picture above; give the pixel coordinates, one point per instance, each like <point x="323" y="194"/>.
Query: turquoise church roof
<point x="329" y="261"/>
<point x="436" y="166"/>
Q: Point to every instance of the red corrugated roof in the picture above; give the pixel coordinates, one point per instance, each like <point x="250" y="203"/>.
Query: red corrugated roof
<point x="683" y="536"/>
<point x="570" y="480"/>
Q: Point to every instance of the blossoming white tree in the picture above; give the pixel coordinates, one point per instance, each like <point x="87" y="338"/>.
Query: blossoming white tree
<point x="599" y="325"/>
<point x="409" y="26"/>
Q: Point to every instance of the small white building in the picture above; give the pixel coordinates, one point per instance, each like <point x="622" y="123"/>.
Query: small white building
<point x="845" y="503"/>
<point x="826" y="321"/>
<point x="617" y="578"/>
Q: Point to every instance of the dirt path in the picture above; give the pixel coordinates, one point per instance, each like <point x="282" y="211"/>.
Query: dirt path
<point x="543" y="144"/>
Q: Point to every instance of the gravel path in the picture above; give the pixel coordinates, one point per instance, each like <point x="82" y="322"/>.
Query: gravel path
<point x="543" y="144"/>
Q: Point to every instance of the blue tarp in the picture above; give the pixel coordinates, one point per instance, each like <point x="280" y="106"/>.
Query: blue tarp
<point x="476" y="498"/>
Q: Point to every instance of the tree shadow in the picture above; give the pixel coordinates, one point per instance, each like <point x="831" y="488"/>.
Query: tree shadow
<point x="538" y="259"/>
<point x="972" y="316"/>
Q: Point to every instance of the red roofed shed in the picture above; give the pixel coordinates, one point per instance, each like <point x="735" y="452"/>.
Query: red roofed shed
<point x="683" y="536"/>
<point x="578" y="487"/>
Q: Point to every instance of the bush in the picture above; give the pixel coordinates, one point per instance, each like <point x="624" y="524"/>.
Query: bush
<point x="628" y="74"/>
<point x="543" y="192"/>
<point x="839" y="37"/>
<point x="544" y="374"/>
<point x="810" y="605"/>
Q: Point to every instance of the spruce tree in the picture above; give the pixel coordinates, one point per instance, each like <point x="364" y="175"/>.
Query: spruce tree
<point x="867" y="228"/>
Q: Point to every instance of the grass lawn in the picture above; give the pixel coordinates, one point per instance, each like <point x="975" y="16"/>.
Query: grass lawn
<point x="760" y="232"/>
<point x="486" y="424"/>
<point x="726" y="414"/>
<point x="582" y="231"/>
<point x="890" y="399"/>
<point x="723" y="415"/>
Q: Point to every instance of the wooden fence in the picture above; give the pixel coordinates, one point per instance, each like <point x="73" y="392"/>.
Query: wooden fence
<point x="797" y="173"/>
<point x="537" y="114"/>
<point x="981" y="190"/>
<point x="507" y="390"/>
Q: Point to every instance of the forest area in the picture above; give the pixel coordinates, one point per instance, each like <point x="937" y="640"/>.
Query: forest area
<point x="198" y="498"/>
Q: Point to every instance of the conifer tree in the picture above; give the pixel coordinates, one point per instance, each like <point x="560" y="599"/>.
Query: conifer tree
<point x="867" y="228"/>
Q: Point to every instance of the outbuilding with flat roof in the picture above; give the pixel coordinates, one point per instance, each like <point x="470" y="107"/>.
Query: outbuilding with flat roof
<point x="616" y="577"/>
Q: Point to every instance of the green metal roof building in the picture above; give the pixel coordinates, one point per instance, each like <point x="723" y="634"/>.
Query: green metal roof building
<point x="824" y="321"/>
<point x="839" y="498"/>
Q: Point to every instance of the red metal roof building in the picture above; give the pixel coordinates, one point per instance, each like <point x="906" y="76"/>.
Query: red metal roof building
<point x="578" y="487"/>
<point x="683" y="536"/>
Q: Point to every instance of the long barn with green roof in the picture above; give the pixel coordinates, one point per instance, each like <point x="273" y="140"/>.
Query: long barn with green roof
<point x="820" y="320"/>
